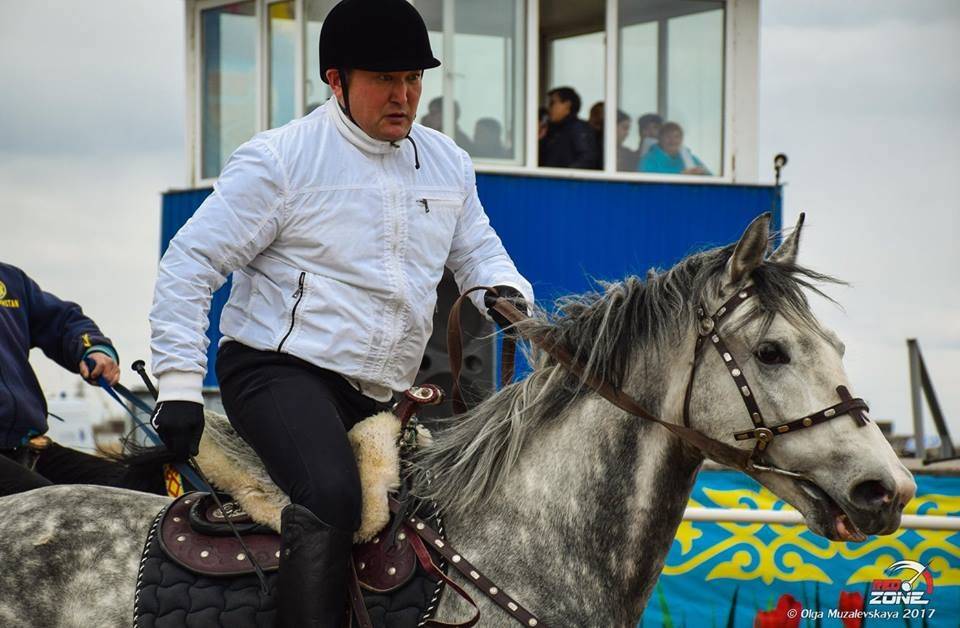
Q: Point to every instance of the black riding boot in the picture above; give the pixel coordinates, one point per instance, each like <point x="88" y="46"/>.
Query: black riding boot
<point x="314" y="563"/>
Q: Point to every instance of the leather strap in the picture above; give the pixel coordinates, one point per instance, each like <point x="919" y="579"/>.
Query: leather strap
<point x="357" y="604"/>
<point x="423" y="555"/>
<point x="714" y="449"/>
<point x="473" y="575"/>
<point x="455" y="351"/>
<point x="855" y="407"/>
<point x="741" y="459"/>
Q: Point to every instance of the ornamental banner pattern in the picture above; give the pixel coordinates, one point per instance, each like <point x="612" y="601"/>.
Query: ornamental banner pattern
<point x="744" y="574"/>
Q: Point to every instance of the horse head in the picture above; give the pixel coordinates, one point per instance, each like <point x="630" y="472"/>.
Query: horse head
<point x="835" y="467"/>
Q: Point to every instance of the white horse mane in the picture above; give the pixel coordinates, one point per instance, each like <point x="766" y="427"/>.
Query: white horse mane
<point x="474" y="452"/>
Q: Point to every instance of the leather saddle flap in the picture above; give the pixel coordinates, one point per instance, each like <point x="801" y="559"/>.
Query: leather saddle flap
<point x="382" y="565"/>
<point x="194" y="535"/>
<point x="213" y="555"/>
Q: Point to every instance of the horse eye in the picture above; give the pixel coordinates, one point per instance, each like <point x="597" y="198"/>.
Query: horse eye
<point x="771" y="353"/>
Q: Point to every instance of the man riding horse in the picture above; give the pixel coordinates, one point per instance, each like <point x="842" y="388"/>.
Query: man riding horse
<point x="31" y="317"/>
<point x="336" y="227"/>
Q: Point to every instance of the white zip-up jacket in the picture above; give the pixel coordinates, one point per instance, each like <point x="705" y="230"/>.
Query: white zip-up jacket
<point x="336" y="243"/>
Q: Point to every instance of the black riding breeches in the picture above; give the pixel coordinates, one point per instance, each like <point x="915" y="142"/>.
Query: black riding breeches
<point x="57" y="465"/>
<point x="296" y="417"/>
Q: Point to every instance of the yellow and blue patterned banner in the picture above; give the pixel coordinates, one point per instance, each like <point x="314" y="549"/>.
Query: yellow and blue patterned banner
<point x="756" y="574"/>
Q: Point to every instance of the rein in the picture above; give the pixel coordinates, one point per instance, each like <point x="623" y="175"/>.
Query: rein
<point x="740" y="459"/>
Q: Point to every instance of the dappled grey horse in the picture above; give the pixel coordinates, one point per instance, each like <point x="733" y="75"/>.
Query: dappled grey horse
<point x="564" y="500"/>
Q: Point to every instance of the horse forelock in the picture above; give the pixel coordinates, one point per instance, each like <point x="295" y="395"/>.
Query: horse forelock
<point x="606" y="329"/>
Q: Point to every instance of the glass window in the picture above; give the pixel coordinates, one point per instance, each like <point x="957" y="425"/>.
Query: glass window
<point x="695" y="80"/>
<point x="282" y="35"/>
<point x="484" y="73"/>
<point x="228" y="36"/>
<point x="489" y="77"/>
<point x="574" y="44"/>
<point x="578" y="61"/>
<point x="315" y="91"/>
<point x="671" y="87"/>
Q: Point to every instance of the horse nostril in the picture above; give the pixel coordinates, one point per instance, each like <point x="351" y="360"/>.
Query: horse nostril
<point x="872" y="493"/>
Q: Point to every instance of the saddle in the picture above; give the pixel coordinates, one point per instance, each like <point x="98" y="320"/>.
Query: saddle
<point x="193" y="533"/>
<point x="195" y="570"/>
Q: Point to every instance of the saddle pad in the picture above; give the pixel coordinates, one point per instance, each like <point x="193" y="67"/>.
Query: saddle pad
<point x="168" y="595"/>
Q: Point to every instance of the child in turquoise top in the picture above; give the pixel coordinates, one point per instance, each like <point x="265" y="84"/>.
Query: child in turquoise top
<point x="670" y="156"/>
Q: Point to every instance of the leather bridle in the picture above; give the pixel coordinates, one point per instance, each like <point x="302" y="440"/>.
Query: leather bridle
<point x="708" y="333"/>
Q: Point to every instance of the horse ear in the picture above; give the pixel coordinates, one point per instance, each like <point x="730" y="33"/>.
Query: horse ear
<point x="750" y="251"/>
<point x="786" y="253"/>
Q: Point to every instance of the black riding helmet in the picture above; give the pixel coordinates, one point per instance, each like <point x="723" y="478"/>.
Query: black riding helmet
<point x="374" y="35"/>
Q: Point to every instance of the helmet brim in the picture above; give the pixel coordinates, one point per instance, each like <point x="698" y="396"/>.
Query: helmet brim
<point x="393" y="65"/>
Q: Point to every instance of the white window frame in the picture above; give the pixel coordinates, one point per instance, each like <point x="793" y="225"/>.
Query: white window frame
<point x="739" y="101"/>
<point x="263" y="59"/>
<point x="262" y="69"/>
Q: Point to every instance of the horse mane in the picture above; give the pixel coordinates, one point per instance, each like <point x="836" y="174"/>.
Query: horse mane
<point x="474" y="452"/>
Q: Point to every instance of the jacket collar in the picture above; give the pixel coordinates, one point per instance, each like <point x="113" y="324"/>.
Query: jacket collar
<point x="354" y="134"/>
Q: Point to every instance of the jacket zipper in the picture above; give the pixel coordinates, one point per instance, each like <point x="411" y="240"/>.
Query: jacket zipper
<point x="298" y="295"/>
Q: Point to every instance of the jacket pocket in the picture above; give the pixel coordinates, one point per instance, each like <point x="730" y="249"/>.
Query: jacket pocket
<point x="298" y="296"/>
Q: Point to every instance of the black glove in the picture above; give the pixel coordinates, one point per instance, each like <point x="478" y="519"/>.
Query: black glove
<point x="180" y="425"/>
<point x="504" y="292"/>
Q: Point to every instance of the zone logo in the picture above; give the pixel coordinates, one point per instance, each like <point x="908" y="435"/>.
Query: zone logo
<point x="898" y="591"/>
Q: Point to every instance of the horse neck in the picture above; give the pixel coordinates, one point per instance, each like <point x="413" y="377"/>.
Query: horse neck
<point x="582" y="526"/>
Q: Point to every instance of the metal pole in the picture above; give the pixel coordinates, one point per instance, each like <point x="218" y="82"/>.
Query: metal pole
<point x="916" y="399"/>
<point x="946" y="442"/>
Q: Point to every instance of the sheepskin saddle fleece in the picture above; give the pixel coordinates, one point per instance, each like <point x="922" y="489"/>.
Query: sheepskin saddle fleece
<point x="233" y="467"/>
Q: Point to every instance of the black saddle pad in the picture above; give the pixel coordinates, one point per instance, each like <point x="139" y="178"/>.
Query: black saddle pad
<point x="171" y="596"/>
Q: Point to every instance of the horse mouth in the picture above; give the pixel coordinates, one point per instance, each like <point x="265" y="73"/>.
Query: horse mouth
<point x="830" y="516"/>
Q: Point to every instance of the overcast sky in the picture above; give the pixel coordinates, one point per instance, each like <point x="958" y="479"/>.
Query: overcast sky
<point x="863" y="95"/>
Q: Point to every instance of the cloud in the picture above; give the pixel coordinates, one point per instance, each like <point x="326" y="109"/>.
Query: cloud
<point x="868" y="110"/>
<point x="89" y="232"/>
<point x="91" y="78"/>
<point x="826" y="15"/>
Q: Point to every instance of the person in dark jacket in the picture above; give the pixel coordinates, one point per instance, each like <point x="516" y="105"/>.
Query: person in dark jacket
<point x="567" y="141"/>
<point x="30" y="317"/>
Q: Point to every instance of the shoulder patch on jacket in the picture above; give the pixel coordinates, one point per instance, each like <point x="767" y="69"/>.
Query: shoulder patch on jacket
<point x="4" y="301"/>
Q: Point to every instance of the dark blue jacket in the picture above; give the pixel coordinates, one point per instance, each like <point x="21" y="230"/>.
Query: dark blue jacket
<point x="30" y="317"/>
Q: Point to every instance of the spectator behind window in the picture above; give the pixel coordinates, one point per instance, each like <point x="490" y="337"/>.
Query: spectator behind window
<point x="595" y="120"/>
<point x="434" y="119"/>
<point x="567" y="141"/>
<point x="626" y="158"/>
<point x="486" y="139"/>
<point x="670" y="156"/>
<point x="649" y="127"/>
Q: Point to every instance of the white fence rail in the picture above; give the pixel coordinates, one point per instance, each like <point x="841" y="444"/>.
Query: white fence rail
<point x="792" y="517"/>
